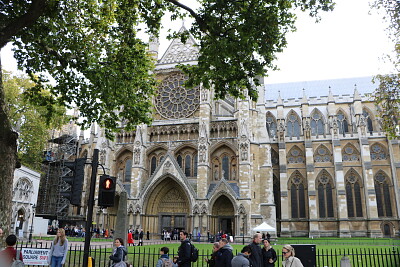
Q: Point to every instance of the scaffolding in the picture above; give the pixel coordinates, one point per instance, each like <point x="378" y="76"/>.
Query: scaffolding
<point x="51" y="204"/>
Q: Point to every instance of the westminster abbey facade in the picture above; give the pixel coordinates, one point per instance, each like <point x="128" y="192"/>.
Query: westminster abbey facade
<point x="309" y="166"/>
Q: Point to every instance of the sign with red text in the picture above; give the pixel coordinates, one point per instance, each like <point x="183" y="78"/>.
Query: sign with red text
<point x="35" y="256"/>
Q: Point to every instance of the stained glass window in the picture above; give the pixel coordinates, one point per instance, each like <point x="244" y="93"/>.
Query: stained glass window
<point x="378" y="152"/>
<point x="153" y="164"/>
<point x="368" y="119"/>
<point x="128" y="170"/>
<point x="322" y="154"/>
<point x="293" y="125"/>
<point x="295" y="155"/>
<point x="382" y="190"/>
<point x="353" y="194"/>
<point x="174" y="101"/>
<point x="350" y="153"/>
<point x="317" y="123"/>
<point x="297" y="196"/>
<point x="188" y="165"/>
<point x="342" y="123"/>
<point x="271" y="125"/>
<point x="325" y="195"/>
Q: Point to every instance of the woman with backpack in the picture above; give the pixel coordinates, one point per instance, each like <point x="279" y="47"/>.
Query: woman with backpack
<point x="59" y="249"/>
<point x="119" y="253"/>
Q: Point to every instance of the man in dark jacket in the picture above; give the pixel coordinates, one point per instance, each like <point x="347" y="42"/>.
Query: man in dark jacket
<point x="256" y="254"/>
<point x="224" y="254"/>
<point x="184" y="250"/>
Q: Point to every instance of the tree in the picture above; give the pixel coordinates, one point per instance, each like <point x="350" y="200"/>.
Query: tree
<point x="27" y="120"/>
<point x="387" y="95"/>
<point x="93" y="52"/>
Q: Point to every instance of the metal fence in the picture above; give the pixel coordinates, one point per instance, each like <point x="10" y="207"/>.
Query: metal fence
<point x="148" y="256"/>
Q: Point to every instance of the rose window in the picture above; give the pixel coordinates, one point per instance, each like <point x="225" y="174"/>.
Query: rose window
<point x="174" y="101"/>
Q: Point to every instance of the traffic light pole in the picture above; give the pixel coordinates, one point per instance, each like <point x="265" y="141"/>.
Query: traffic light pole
<point x="89" y="218"/>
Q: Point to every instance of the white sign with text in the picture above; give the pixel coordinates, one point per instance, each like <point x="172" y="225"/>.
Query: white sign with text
<point x="35" y="256"/>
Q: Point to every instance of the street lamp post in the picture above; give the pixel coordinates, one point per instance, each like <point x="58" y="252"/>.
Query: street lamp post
<point x="33" y="215"/>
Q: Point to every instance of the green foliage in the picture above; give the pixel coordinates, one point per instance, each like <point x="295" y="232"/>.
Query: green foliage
<point x="92" y="51"/>
<point x="387" y="95"/>
<point x="28" y="119"/>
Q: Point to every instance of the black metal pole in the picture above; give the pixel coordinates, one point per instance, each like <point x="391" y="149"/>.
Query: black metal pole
<point x="33" y="215"/>
<point x="89" y="218"/>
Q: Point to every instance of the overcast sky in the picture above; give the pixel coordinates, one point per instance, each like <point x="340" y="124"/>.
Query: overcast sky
<point x="348" y="42"/>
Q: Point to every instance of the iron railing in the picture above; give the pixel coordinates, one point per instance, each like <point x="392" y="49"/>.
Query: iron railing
<point x="148" y="256"/>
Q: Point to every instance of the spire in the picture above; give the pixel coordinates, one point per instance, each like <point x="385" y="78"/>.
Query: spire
<point x="356" y="94"/>
<point x="154" y="45"/>
<point x="280" y="101"/>
<point x="304" y="100"/>
<point x="330" y="96"/>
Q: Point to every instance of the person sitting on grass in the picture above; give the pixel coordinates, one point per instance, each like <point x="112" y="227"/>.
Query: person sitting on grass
<point x="164" y="260"/>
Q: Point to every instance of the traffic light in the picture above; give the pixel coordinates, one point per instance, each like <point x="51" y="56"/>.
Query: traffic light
<point x="74" y="174"/>
<point x="106" y="191"/>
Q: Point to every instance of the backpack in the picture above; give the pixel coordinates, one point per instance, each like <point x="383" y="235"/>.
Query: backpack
<point x="194" y="253"/>
<point x="17" y="263"/>
<point x="167" y="262"/>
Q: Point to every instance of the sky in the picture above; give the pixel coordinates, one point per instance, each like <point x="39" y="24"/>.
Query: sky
<point x="347" y="42"/>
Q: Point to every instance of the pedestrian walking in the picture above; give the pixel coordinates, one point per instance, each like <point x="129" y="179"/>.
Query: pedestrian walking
<point x="130" y="240"/>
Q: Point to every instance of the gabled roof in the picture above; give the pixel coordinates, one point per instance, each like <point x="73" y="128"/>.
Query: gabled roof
<point x="178" y="52"/>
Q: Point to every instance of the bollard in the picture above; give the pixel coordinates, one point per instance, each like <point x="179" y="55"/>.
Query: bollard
<point x="90" y="262"/>
<point x="345" y="262"/>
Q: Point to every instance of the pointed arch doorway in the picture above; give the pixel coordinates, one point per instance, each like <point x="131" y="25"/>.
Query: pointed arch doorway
<point x="223" y="216"/>
<point x="167" y="208"/>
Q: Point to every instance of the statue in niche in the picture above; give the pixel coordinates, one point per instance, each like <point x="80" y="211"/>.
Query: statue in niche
<point x="216" y="175"/>
<point x="136" y="156"/>
<point x="307" y="129"/>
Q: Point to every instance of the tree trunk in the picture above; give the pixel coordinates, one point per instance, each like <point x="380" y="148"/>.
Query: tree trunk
<point x="8" y="152"/>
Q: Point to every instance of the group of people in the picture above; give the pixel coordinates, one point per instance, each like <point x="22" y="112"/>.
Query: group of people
<point x="252" y="255"/>
<point x="136" y="235"/>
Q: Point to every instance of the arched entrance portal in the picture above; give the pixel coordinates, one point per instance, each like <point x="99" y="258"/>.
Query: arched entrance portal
<point x="167" y="208"/>
<point x="223" y="216"/>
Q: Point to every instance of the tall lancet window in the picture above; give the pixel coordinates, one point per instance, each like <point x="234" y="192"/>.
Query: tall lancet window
<point x="317" y="123"/>
<point x="342" y="123"/>
<point x="293" y="125"/>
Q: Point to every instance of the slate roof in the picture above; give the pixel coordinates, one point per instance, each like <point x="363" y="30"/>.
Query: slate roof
<point x="319" y="88"/>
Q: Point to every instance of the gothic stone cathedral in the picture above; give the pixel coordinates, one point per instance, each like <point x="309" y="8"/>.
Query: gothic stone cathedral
<point x="312" y="166"/>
